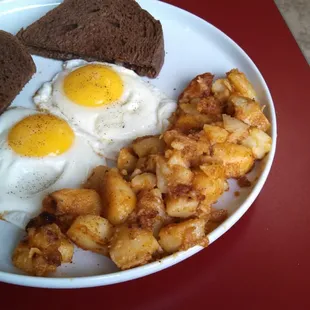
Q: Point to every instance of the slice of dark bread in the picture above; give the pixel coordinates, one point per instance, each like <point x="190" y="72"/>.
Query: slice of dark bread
<point x="16" y="68"/>
<point x="118" y="31"/>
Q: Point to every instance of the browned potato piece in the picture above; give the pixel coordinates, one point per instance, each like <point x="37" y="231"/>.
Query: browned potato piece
<point x="249" y="112"/>
<point x="191" y="146"/>
<point x="91" y="232"/>
<point x="238" y="129"/>
<point x="182" y="236"/>
<point x="44" y="249"/>
<point x="95" y="180"/>
<point x="151" y="213"/>
<point x="171" y="175"/>
<point x="66" y="250"/>
<point x="259" y="142"/>
<point x="210" y="184"/>
<point x="241" y="84"/>
<point x="187" y="122"/>
<point x="182" y="206"/>
<point x="126" y="161"/>
<point x="143" y="181"/>
<point x="237" y="159"/>
<point x="132" y="247"/>
<point x="222" y="89"/>
<point x="148" y="145"/>
<point x="31" y="260"/>
<point x="73" y="201"/>
<point x="118" y="198"/>
<point x="215" y="134"/>
<point x="199" y="87"/>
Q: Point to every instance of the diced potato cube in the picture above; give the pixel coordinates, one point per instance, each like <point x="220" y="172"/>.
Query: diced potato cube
<point x="118" y="198"/>
<point x="232" y="124"/>
<point x="241" y="84"/>
<point x="148" y="145"/>
<point x="212" y="187"/>
<point x="259" y="142"/>
<point x="31" y="260"/>
<point x="151" y="212"/>
<point x="222" y="89"/>
<point x="182" y="236"/>
<point x="181" y="206"/>
<point x="66" y="250"/>
<point x="96" y="178"/>
<point x="215" y="134"/>
<point x="75" y="202"/>
<point x="126" y="161"/>
<point x="92" y="233"/>
<point x="143" y="181"/>
<point x="237" y="159"/>
<point x="249" y="112"/>
<point x="132" y="247"/>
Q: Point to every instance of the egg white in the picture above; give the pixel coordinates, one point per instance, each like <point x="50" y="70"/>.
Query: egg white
<point x="25" y="181"/>
<point x="141" y="110"/>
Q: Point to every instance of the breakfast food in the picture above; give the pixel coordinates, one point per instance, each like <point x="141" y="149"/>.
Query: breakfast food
<point x="116" y="31"/>
<point x="159" y="199"/>
<point x="109" y="103"/>
<point x="16" y="68"/>
<point x="39" y="153"/>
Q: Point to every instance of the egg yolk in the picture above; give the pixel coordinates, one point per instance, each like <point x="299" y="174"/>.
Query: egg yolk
<point x="93" y="85"/>
<point x="40" y="135"/>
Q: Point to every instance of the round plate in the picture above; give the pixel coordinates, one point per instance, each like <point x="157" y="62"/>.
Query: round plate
<point x="192" y="46"/>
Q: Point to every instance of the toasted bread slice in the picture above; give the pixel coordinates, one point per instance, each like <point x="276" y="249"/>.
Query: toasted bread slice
<point x="16" y="68"/>
<point x="118" y="31"/>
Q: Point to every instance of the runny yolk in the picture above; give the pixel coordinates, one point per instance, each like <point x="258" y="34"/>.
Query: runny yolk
<point x="40" y="135"/>
<point x="93" y="85"/>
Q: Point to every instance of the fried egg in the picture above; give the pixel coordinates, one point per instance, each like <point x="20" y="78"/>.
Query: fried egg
<point x="109" y="103"/>
<point x="39" y="153"/>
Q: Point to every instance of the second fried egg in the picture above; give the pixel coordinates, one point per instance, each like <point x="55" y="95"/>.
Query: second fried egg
<point x="109" y="103"/>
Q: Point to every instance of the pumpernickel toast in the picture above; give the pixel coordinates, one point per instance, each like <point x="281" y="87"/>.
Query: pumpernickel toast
<point x="117" y="31"/>
<point x="16" y="68"/>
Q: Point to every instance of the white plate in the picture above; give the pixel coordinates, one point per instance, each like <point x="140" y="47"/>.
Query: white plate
<point x="192" y="46"/>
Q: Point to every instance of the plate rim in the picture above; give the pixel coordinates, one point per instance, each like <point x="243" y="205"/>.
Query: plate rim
<point x="145" y="270"/>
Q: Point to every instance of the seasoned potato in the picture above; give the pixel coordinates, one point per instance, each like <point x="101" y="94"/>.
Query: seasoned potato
<point x="237" y="159"/>
<point x="95" y="180"/>
<point x="43" y="250"/>
<point x="148" y="145"/>
<point x="238" y="130"/>
<point x="182" y="207"/>
<point x="175" y="158"/>
<point x="150" y="211"/>
<point x="91" y="232"/>
<point x="126" y="161"/>
<point x="211" y="183"/>
<point x="181" y="236"/>
<point x="215" y="134"/>
<point x="163" y="172"/>
<point x="222" y="89"/>
<point x="249" y="112"/>
<point x="143" y="181"/>
<point x="66" y="249"/>
<point x="118" y="198"/>
<point x="31" y="260"/>
<point x="259" y="142"/>
<point x="191" y="146"/>
<point x="232" y="124"/>
<point x="171" y="175"/>
<point x="187" y="122"/>
<point x="199" y="87"/>
<point x="73" y="201"/>
<point x="241" y="84"/>
<point x="132" y="247"/>
<point x="210" y="106"/>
